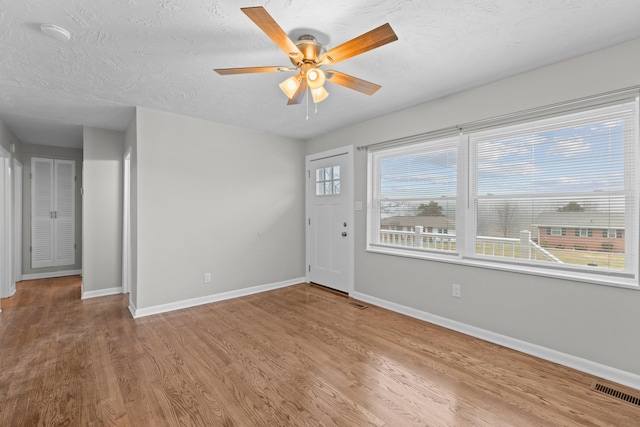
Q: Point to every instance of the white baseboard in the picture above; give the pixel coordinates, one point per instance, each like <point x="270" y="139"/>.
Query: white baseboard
<point x="603" y="371"/>
<point x="163" y="308"/>
<point x="51" y="274"/>
<point x="132" y="308"/>
<point x="102" y="292"/>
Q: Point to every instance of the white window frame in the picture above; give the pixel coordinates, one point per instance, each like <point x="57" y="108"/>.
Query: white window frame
<point x="321" y="182"/>
<point x="612" y="233"/>
<point x="440" y="141"/>
<point x="555" y="231"/>
<point x="583" y="232"/>
<point x="465" y="209"/>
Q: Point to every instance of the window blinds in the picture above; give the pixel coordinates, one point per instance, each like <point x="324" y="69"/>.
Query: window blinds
<point x="574" y="172"/>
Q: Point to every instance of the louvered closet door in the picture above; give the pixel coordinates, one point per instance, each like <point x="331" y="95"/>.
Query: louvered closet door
<point x="41" y="212"/>
<point x="63" y="213"/>
<point x="52" y="212"/>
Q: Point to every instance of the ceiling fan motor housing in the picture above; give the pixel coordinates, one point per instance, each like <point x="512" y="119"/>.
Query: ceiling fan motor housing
<point x="310" y="49"/>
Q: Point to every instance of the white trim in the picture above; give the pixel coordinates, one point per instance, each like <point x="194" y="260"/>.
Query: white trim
<point x="178" y="305"/>
<point x="348" y="151"/>
<point x="101" y="293"/>
<point x="6" y="230"/>
<point x="126" y="222"/>
<point x="18" y="185"/>
<point x="132" y="308"/>
<point x="603" y="371"/>
<point x="51" y="274"/>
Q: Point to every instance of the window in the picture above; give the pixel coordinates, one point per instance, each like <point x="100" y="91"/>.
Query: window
<point x="612" y="234"/>
<point x="583" y="232"/>
<point x="537" y="192"/>
<point x="416" y="189"/>
<point x="566" y="171"/>
<point x="328" y="181"/>
<point x="556" y="231"/>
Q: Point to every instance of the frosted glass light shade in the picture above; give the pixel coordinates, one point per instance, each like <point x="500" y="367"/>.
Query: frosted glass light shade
<point x="319" y="94"/>
<point x="290" y="86"/>
<point x="315" y="78"/>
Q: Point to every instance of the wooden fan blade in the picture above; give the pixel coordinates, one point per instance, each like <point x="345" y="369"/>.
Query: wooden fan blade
<point x="375" y="38"/>
<point x="247" y="70"/>
<point x="266" y="23"/>
<point x="299" y="95"/>
<point x="351" y="82"/>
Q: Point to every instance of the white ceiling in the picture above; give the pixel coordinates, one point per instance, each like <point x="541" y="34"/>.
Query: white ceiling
<point x="160" y="54"/>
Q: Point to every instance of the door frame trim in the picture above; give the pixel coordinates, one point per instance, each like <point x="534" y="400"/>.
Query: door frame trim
<point x="126" y="222"/>
<point x="350" y="181"/>
<point x="18" y="186"/>
<point x="6" y="231"/>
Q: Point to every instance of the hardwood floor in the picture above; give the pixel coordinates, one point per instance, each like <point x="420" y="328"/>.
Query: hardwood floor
<point x="291" y="357"/>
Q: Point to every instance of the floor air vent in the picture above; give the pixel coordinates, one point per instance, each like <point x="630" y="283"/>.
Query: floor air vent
<point x="358" y="305"/>
<point x="634" y="400"/>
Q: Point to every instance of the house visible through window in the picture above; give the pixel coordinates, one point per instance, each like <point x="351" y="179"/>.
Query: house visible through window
<point x="569" y="174"/>
<point x="557" y="192"/>
<point x="415" y="196"/>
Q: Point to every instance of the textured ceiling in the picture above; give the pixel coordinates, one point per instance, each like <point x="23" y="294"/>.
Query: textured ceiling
<point x="160" y="54"/>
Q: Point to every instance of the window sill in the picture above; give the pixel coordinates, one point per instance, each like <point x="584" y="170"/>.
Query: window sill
<point x="453" y="258"/>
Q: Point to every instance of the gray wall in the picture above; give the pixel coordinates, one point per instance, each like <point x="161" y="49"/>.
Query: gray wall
<point x="595" y="322"/>
<point x="32" y="150"/>
<point x="214" y="198"/>
<point x="102" y="209"/>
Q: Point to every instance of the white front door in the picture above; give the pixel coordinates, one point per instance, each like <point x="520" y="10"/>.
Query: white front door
<point x="330" y="219"/>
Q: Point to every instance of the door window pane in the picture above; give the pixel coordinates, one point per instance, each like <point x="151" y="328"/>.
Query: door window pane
<point x="328" y="181"/>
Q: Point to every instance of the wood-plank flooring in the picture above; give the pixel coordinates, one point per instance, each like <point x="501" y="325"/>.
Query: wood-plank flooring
<point x="296" y="356"/>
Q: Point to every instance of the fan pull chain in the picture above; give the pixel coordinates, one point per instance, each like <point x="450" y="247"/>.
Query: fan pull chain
<point x="307" y="105"/>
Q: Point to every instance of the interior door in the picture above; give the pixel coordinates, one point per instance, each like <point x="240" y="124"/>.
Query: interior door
<point x="64" y="212"/>
<point x="329" y="222"/>
<point x="41" y="212"/>
<point x="52" y="212"/>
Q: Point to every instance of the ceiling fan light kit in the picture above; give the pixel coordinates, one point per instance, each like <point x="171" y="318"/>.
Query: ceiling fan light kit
<point x="319" y="94"/>
<point x="315" y="78"/>
<point x="307" y="55"/>
<point x="291" y="85"/>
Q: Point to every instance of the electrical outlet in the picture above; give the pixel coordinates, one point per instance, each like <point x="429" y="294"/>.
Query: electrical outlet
<point x="207" y="277"/>
<point x="456" y="290"/>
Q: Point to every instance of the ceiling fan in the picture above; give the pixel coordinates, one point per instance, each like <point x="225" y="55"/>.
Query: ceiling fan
<point x="308" y="56"/>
